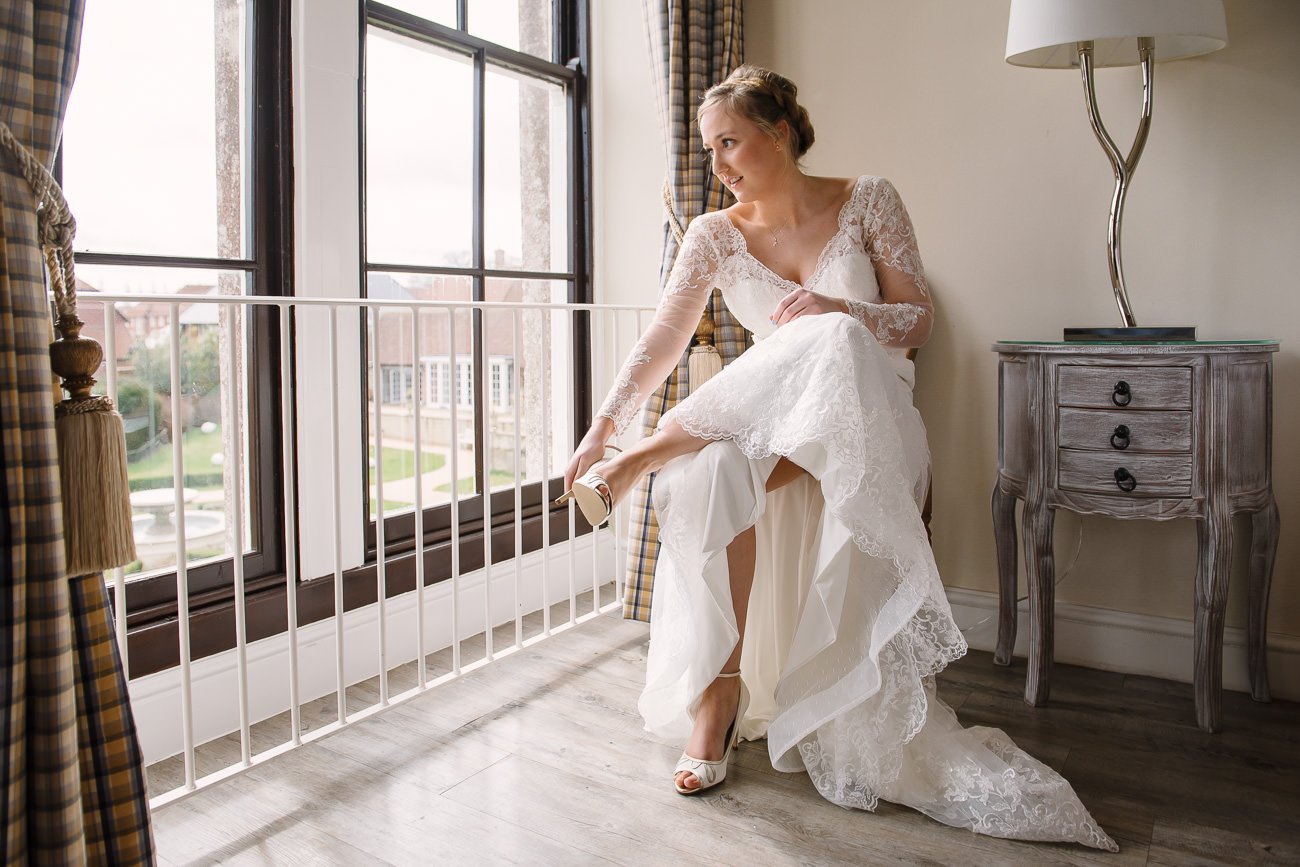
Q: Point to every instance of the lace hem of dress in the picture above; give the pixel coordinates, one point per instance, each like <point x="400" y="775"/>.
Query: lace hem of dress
<point x="851" y="419"/>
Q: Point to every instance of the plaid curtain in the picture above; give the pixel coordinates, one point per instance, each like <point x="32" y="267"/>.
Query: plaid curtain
<point x="693" y="45"/>
<point x="73" y="786"/>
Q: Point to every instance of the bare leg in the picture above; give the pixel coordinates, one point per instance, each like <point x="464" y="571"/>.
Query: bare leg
<point x="718" y="704"/>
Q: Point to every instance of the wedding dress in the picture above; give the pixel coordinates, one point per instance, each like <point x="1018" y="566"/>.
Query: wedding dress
<point x="848" y="622"/>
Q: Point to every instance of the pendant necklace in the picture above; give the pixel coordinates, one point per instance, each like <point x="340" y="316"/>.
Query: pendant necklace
<point x="775" y="239"/>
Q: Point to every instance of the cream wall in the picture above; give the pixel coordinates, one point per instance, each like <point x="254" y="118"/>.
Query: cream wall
<point x="1009" y="191"/>
<point x="628" y="157"/>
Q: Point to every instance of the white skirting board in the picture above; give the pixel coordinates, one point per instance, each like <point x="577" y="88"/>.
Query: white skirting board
<point x="156" y="698"/>
<point x="1129" y="643"/>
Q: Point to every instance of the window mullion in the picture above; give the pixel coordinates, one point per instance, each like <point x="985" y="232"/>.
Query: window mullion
<point x="479" y="283"/>
<point x="479" y="170"/>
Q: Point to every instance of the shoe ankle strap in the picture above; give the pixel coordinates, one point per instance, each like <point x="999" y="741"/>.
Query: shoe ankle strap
<point x="729" y="673"/>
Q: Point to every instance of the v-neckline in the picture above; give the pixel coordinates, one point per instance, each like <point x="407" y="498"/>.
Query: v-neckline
<point x="821" y="257"/>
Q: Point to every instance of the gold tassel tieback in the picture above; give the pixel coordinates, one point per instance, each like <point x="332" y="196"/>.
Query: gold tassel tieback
<point x="93" y="484"/>
<point x="704" y="362"/>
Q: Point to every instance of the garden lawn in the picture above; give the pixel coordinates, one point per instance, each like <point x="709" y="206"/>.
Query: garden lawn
<point x="197" y="449"/>
<point x="400" y="463"/>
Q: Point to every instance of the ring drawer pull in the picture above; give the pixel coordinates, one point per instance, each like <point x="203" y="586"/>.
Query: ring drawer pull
<point x="1122" y="395"/>
<point x="1124" y="480"/>
<point x="1120" y="439"/>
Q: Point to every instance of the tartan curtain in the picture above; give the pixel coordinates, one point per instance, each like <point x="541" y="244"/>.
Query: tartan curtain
<point x="73" y="787"/>
<point x="693" y="45"/>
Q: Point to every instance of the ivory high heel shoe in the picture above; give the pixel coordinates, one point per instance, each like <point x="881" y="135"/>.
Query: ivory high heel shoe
<point x="592" y="493"/>
<point x="711" y="773"/>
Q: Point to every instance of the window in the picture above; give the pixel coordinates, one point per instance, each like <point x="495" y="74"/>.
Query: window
<point x="397" y="382"/>
<point x="180" y="185"/>
<point x="502" y="396"/>
<point x="464" y="384"/>
<point x="474" y="192"/>
<point x="436" y="375"/>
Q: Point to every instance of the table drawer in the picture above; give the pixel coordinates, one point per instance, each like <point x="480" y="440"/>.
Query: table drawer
<point x="1124" y="432"/>
<point x="1147" y="475"/>
<point x="1111" y="387"/>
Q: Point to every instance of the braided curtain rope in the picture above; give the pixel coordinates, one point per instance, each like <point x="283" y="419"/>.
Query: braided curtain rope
<point x="56" y="228"/>
<point x="670" y="212"/>
<point x="54" y="223"/>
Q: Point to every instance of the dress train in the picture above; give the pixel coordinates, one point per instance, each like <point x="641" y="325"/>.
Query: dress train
<point x="843" y="642"/>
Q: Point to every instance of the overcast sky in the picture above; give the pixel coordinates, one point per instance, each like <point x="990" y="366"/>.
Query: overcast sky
<point x="140" y="153"/>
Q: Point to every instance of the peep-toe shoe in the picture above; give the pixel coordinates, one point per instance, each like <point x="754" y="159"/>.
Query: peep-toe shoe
<point x="710" y="773"/>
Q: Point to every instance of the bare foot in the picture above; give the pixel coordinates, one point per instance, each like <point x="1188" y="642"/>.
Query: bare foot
<point x="708" y="739"/>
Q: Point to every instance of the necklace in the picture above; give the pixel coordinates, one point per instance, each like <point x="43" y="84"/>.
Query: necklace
<point x="776" y="233"/>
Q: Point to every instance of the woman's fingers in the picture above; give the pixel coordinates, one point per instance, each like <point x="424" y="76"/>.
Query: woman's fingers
<point x="802" y="302"/>
<point x="790" y="307"/>
<point x="799" y="302"/>
<point x="586" y="455"/>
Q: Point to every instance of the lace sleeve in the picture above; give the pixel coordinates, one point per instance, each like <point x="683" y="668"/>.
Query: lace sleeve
<point x="661" y="345"/>
<point x="904" y="315"/>
<point x="896" y="324"/>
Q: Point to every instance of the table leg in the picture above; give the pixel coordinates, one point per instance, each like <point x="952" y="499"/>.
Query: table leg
<point x="1263" y="549"/>
<point x="1213" y="565"/>
<point x="1040" y="576"/>
<point x="1004" y="534"/>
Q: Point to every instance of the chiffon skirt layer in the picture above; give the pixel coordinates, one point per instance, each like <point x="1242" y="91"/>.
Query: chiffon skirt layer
<point x="847" y="621"/>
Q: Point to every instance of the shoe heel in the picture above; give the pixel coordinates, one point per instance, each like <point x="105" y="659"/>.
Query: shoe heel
<point x="594" y="506"/>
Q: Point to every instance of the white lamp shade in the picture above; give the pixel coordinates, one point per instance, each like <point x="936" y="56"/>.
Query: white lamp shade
<point x="1043" y="33"/>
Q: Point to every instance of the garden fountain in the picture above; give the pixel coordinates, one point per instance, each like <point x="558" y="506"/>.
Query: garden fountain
<point x="155" y="530"/>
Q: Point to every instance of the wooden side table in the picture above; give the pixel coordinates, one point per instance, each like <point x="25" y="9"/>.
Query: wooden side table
<point x="1152" y="431"/>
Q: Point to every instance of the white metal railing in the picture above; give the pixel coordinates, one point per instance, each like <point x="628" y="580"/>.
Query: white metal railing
<point x="393" y="649"/>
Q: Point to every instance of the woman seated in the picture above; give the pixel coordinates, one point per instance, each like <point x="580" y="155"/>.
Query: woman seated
<point x="796" y="596"/>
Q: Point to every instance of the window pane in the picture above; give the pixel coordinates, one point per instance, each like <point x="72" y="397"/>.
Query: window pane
<point x="143" y="338"/>
<point x="524" y="25"/>
<point x="419" y="153"/>
<point x="438" y="11"/>
<point x="532" y="358"/>
<point x="423" y="373"/>
<point x="153" y="162"/>
<point x="526" y="209"/>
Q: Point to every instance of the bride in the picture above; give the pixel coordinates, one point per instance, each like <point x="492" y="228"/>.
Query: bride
<point x="796" y="597"/>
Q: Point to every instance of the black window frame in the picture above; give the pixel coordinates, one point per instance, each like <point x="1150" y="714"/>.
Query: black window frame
<point x="151" y="602"/>
<point x="569" y="64"/>
<point x="152" y="612"/>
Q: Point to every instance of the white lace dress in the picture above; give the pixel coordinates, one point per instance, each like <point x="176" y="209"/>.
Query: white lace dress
<point x="848" y="622"/>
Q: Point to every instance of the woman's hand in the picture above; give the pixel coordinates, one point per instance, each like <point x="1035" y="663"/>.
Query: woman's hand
<point x="590" y="450"/>
<point x="802" y="302"/>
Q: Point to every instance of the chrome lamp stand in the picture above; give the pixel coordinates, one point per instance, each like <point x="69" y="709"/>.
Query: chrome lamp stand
<point x="1123" y="168"/>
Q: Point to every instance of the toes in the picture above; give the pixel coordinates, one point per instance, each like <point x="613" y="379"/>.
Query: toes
<point x="687" y="780"/>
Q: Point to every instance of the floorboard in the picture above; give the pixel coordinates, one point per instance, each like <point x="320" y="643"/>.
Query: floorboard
<point x="540" y="758"/>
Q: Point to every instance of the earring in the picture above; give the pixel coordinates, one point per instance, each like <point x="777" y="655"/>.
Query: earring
<point x="778" y="147"/>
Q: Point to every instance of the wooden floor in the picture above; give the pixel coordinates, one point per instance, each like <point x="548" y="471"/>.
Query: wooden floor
<point x="540" y="758"/>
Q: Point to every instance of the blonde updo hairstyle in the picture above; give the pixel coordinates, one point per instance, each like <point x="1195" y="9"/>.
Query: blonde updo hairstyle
<point x="765" y="98"/>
